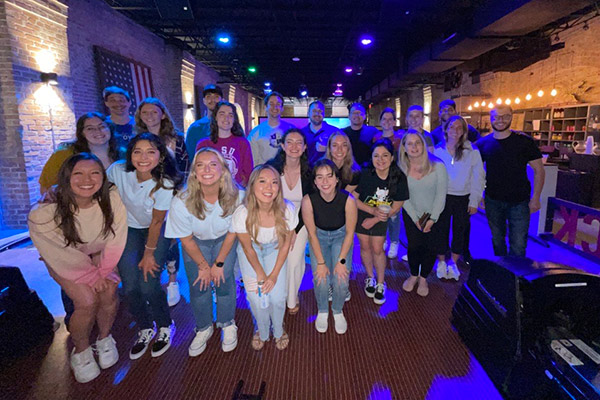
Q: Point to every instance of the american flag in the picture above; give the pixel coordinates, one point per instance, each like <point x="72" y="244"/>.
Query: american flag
<point x="116" y="70"/>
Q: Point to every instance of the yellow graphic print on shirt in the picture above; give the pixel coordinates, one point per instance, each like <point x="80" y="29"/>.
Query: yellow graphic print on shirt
<point x="381" y="197"/>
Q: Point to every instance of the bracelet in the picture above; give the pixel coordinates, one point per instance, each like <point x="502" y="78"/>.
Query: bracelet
<point x="321" y="263"/>
<point x="149" y="248"/>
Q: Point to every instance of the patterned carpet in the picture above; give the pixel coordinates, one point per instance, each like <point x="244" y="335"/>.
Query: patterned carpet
<point x="404" y="349"/>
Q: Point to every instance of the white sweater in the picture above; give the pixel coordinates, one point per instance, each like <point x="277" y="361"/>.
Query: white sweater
<point x="465" y="176"/>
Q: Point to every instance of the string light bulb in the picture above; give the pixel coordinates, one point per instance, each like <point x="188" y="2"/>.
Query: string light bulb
<point x="528" y="97"/>
<point x="476" y="104"/>
<point x="483" y="103"/>
<point x="490" y="105"/>
<point x="499" y="101"/>
<point x="540" y="93"/>
<point x="517" y="100"/>
<point x="507" y="102"/>
<point x="553" y="92"/>
<point x="470" y="108"/>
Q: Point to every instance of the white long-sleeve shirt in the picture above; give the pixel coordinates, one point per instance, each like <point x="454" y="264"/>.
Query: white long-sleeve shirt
<point x="465" y="176"/>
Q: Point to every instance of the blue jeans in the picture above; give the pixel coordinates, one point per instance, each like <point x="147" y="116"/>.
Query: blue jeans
<point x="499" y="213"/>
<point x="147" y="300"/>
<point x="394" y="228"/>
<point x="202" y="300"/>
<point x="331" y="247"/>
<point x="272" y="315"/>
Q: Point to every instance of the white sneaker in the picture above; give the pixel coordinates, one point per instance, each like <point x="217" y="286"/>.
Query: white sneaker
<point x="442" y="270"/>
<point x="163" y="341"/>
<point x="321" y="322"/>
<point x="84" y="365"/>
<point x="341" y="325"/>
<point x="393" y="250"/>
<point x="229" y="338"/>
<point x="453" y="272"/>
<point x="173" y="295"/>
<point x="405" y="257"/>
<point x="107" y="352"/>
<point x="198" y="345"/>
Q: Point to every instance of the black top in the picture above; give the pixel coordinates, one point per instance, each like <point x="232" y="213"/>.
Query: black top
<point x="352" y="182"/>
<point x="506" y="166"/>
<point x="361" y="142"/>
<point x="329" y="216"/>
<point x="374" y="191"/>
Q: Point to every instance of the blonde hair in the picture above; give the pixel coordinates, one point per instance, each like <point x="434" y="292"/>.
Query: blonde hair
<point x="277" y="207"/>
<point x="428" y="163"/>
<point x="228" y="189"/>
<point x="349" y="166"/>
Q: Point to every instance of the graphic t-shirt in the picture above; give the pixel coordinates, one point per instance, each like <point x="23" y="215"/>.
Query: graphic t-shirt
<point x="237" y="153"/>
<point x="374" y="191"/>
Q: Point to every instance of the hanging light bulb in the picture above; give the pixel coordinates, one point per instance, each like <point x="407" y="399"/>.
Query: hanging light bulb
<point x="490" y="105"/>
<point x="540" y="93"/>
<point x="528" y="97"/>
<point x="483" y="103"/>
<point x="470" y="108"/>
<point x="553" y="92"/>
<point x="507" y="102"/>
<point x="517" y="100"/>
<point x="476" y="104"/>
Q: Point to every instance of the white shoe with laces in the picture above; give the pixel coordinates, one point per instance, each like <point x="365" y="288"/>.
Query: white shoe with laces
<point x="84" y="365"/>
<point x="229" y="338"/>
<point x="392" y="250"/>
<point x="198" y="345"/>
<point x="173" y="294"/>
<point x="107" y="352"/>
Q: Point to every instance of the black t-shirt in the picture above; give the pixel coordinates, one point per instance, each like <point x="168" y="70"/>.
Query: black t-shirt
<point x="361" y="142"/>
<point x="374" y="191"/>
<point x="329" y="216"/>
<point x="506" y="166"/>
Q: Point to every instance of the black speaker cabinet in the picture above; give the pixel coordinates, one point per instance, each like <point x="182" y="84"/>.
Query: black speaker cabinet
<point x="24" y="319"/>
<point x="533" y="326"/>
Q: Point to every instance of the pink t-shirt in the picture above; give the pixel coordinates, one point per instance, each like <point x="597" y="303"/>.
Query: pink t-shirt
<point x="237" y="153"/>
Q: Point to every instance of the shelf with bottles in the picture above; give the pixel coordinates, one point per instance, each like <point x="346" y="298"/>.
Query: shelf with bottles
<point x="577" y="112"/>
<point x="567" y="136"/>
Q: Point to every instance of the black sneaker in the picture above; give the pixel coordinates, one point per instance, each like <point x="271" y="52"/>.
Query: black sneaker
<point x="163" y="342"/>
<point x="370" y="287"/>
<point x="141" y="345"/>
<point x="379" y="296"/>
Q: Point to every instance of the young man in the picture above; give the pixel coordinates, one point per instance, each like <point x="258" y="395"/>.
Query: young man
<point x="415" y="116"/>
<point x="361" y="135"/>
<point x="317" y="132"/>
<point x="118" y="102"/>
<point x="447" y="109"/>
<point x="506" y="154"/>
<point x="265" y="138"/>
<point x="200" y="129"/>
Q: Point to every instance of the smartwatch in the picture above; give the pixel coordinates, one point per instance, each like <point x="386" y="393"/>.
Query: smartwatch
<point x="342" y="261"/>
<point x="219" y="264"/>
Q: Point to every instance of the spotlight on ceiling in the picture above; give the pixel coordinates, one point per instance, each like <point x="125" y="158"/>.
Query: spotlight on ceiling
<point x="268" y="84"/>
<point x="338" y="92"/>
<point x="252" y="69"/>
<point x="348" y="70"/>
<point x="366" y="40"/>
<point x="303" y="93"/>
<point x="295" y="59"/>
<point x="224" y="39"/>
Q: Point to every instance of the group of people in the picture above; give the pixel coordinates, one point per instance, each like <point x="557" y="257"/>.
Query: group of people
<point x="118" y="200"/>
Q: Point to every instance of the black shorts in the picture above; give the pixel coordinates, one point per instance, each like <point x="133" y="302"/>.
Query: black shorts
<point x="379" y="229"/>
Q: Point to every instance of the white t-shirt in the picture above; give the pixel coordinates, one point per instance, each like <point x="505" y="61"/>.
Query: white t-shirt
<point x="265" y="235"/>
<point x="136" y="195"/>
<point x="182" y="223"/>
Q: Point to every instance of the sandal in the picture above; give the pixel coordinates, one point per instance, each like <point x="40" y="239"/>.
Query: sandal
<point x="282" y="342"/>
<point x="257" y="344"/>
<point x="294" y="311"/>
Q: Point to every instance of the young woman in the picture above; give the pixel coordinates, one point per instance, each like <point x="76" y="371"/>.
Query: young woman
<point x="330" y="217"/>
<point x="291" y="162"/>
<point x="339" y="150"/>
<point x="466" y="182"/>
<point x="381" y="190"/>
<point x="83" y="261"/>
<point x="92" y="135"/>
<point x="152" y="116"/>
<point x="227" y="137"/>
<point x="146" y="181"/>
<point x="263" y="225"/>
<point x="427" y="183"/>
<point x="200" y="217"/>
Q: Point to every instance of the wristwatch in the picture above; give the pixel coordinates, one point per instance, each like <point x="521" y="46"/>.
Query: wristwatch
<point x="219" y="264"/>
<point x="342" y="261"/>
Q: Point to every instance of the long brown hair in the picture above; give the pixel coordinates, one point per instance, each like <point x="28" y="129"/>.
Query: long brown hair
<point x="228" y="189"/>
<point x="460" y="145"/>
<point x="167" y="131"/>
<point x="349" y="167"/>
<point x="277" y="207"/>
<point x="81" y="145"/>
<point x="66" y="206"/>
<point x="236" y="128"/>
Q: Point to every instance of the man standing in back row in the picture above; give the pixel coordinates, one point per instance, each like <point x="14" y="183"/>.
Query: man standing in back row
<point x="118" y="102"/>
<point x="446" y="110"/>
<point x="265" y="139"/>
<point x="506" y="154"/>
<point x="317" y="132"/>
<point x="200" y="129"/>
<point x="360" y="135"/>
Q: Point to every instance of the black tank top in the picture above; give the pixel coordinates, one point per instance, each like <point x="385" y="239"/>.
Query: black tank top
<point x="329" y="216"/>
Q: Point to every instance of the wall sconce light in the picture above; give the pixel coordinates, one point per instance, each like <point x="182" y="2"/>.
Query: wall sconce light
<point x="50" y="78"/>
